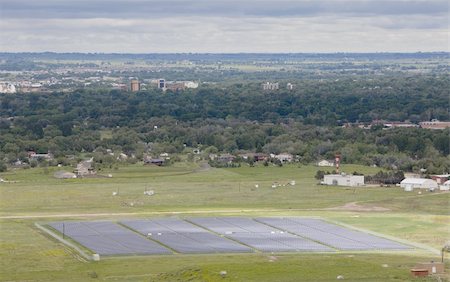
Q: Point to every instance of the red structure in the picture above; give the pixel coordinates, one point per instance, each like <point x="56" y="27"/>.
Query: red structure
<point x="337" y="162"/>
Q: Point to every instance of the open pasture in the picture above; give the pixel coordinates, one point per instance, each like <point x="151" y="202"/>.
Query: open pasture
<point x="183" y="187"/>
<point x="27" y="253"/>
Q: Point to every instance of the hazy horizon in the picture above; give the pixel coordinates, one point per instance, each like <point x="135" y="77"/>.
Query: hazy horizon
<point x="219" y="26"/>
<point x="221" y="53"/>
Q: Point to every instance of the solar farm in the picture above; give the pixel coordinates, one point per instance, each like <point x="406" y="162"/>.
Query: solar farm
<point x="207" y="235"/>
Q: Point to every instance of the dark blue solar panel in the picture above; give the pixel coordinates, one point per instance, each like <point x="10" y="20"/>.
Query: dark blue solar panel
<point x="184" y="237"/>
<point x="331" y="234"/>
<point x="270" y="234"/>
<point x="257" y="235"/>
<point x="108" y="238"/>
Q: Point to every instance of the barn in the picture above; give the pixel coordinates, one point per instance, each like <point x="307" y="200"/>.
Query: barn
<point x="422" y="183"/>
<point x="343" y="180"/>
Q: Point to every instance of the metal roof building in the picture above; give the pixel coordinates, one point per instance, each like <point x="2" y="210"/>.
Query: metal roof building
<point x="343" y="180"/>
<point x="422" y="183"/>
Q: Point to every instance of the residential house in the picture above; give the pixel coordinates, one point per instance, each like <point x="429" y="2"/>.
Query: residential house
<point x="257" y="157"/>
<point x="226" y="158"/>
<point x="36" y="157"/>
<point x="148" y="160"/>
<point x="283" y="157"/>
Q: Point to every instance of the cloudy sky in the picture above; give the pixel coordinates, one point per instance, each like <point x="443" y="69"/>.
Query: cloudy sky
<point x="149" y="26"/>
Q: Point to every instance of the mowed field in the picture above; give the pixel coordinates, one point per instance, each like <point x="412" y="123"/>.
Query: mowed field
<point x="186" y="190"/>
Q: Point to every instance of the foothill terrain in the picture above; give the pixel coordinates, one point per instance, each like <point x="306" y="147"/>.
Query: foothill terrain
<point x="356" y="140"/>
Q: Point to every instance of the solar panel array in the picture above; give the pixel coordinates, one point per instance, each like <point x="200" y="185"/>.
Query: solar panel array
<point x="331" y="234"/>
<point x="108" y="238"/>
<point x="220" y="235"/>
<point x="257" y="235"/>
<point x="185" y="237"/>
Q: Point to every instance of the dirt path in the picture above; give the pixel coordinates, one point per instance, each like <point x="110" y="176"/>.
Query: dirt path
<point x="354" y="206"/>
<point x="91" y="215"/>
<point x="204" y="166"/>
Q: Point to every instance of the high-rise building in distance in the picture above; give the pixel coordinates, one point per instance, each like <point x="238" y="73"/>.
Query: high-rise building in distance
<point x="134" y="85"/>
<point x="162" y="84"/>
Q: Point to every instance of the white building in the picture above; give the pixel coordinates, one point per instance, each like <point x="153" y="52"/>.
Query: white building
<point x="289" y="86"/>
<point x="445" y="186"/>
<point x="422" y="183"/>
<point x="434" y="124"/>
<point x="283" y="157"/>
<point x="343" y="180"/>
<point x="270" y="86"/>
<point x="325" y="163"/>
<point x="191" y="84"/>
<point x="6" y="87"/>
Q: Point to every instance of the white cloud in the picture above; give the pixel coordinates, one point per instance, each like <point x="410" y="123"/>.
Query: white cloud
<point x="200" y="33"/>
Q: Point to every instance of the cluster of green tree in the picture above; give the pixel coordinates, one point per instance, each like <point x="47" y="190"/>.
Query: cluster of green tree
<point x="321" y="173"/>
<point x="312" y="102"/>
<point x="241" y="118"/>
<point x="223" y="164"/>
<point x="403" y="148"/>
<point x="382" y="177"/>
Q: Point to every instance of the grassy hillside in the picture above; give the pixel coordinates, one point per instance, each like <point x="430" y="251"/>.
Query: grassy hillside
<point x="28" y="254"/>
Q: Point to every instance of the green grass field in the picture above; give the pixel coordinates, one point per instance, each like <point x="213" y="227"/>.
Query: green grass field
<point x="26" y="254"/>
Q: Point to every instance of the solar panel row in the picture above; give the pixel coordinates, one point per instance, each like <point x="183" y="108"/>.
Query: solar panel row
<point x="366" y="238"/>
<point x="331" y="234"/>
<point x="185" y="237"/>
<point x="108" y="238"/>
<point x="257" y="235"/>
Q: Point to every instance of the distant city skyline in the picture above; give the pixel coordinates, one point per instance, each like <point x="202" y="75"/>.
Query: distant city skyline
<point x="220" y="26"/>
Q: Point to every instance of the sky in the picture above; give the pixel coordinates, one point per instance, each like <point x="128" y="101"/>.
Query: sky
<point x="224" y="26"/>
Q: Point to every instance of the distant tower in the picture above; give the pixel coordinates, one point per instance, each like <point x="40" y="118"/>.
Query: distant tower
<point x="162" y="84"/>
<point x="337" y="162"/>
<point x="135" y="85"/>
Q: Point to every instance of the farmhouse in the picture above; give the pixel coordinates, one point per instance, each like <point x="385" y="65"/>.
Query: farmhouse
<point x="343" y="180"/>
<point x="151" y="161"/>
<point x="257" y="157"/>
<point x="284" y="157"/>
<point x="422" y="183"/>
<point x="36" y="157"/>
<point x="226" y="158"/>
